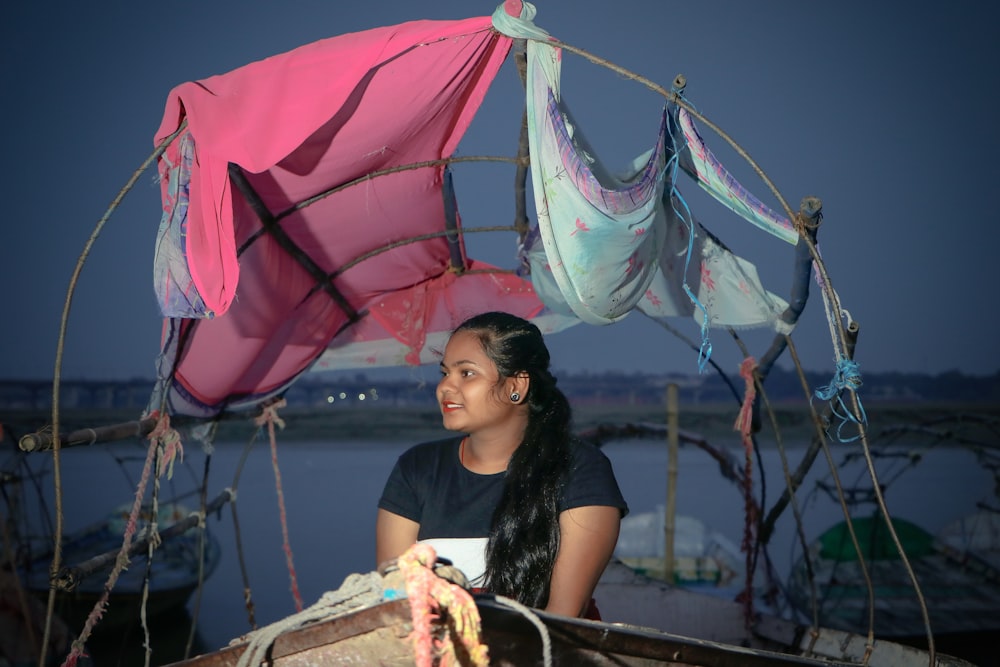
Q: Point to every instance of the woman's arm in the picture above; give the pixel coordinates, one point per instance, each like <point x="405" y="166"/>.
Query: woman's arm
<point x="587" y="539"/>
<point x="393" y="535"/>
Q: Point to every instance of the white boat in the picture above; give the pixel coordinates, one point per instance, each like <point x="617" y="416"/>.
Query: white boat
<point x="702" y="558"/>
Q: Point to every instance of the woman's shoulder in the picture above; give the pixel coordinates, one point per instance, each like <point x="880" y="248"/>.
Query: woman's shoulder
<point x="591" y="479"/>
<point x="584" y="451"/>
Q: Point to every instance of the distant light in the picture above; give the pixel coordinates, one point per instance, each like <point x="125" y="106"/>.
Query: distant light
<point x="343" y="395"/>
<point x="361" y="397"/>
<point x="330" y="399"/>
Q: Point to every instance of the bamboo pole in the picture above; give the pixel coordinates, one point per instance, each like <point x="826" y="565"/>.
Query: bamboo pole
<point x="69" y="577"/>
<point x="42" y="440"/>
<point x="669" y="527"/>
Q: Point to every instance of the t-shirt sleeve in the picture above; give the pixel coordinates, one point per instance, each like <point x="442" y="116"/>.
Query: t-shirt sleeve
<point x="400" y="495"/>
<point x="591" y="481"/>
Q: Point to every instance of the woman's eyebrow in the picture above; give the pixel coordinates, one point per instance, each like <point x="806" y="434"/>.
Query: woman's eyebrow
<point x="460" y="362"/>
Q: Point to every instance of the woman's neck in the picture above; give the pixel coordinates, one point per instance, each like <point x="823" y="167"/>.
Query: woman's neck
<point x="489" y="453"/>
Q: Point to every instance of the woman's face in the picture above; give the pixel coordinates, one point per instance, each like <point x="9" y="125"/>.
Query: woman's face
<point x="467" y="393"/>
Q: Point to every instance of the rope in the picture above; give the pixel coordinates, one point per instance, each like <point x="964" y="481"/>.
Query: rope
<point x="121" y="562"/>
<point x="269" y="416"/>
<point x="170" y="440"/>
<point x="429" y="593"/>
<point x="357" y="591"/>
<point x="848" y="372"/>
<point x="846" y="377"/>
<point x="744" y="420"/>
<point x="705" y="351"/>
<point x="161" y="433"/>
<point x="532" y="618"/>
<point x="57" y="379"/>
<point x="744" y="424"/>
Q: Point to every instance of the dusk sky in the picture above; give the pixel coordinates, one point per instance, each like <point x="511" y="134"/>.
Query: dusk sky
<point x="883" y="110"/>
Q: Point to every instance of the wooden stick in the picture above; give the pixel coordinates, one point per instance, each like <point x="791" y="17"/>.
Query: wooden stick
<point x="670" y="512"/>
<point x="42" y="441"/>
<point x="70" y="577"/>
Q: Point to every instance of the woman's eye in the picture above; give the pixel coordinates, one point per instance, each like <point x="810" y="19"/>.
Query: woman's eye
<point x="468" y="373"/>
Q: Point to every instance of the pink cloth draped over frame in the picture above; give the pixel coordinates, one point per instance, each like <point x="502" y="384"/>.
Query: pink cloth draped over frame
<point x="373" y="99"/>
<point x="299" y="124"/>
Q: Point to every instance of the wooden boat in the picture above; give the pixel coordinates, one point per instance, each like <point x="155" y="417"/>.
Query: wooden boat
<point x="379" y="636"/>
<point x="517" y="637"/>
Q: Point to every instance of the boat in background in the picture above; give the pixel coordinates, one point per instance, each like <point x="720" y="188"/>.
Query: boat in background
<point x="974" y="538"/>
<point x="957" y="567"/>
<point x="631" y="598"/>
<point x="961" y="590"/>
<point x="184" y="558"/>
<point x="962" y="593"/>
<point x="703" y="558"/>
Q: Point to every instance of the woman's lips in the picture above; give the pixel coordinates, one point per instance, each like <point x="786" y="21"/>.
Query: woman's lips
<point x="450" y="407"/>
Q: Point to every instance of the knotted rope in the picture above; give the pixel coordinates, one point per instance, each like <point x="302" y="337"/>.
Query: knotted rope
<point x="269" y="417"/>
<point x="429" y="593"/>
<point x="848" y="373"/>
<point x="167" y="437"/>
<point x="847" y="376"/>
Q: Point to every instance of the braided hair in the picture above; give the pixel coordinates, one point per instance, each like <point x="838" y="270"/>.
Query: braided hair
<point x="524" y="535"/>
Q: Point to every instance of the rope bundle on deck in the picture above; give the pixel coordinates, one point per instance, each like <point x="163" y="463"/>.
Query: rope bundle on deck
<point x="431" y="597"/>
<point x="357" y="592"/>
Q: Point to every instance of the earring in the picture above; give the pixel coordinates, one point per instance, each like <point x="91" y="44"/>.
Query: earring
<point x="515" y="397"/>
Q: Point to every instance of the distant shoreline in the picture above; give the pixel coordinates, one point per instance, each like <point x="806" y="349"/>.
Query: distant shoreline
<point x="714" y="423"/>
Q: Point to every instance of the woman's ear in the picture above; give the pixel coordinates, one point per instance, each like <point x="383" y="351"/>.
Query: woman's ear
<point x="518" y="386"/>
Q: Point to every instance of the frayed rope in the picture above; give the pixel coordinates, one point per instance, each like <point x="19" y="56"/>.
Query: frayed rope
<point x="167" y="437"/>
<point x="428" y="593"/>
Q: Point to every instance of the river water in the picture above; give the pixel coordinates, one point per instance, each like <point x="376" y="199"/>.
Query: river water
<point x="331" y="489"/>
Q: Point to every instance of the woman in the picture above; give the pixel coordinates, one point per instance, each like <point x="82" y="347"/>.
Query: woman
<point x="519" y="506"/>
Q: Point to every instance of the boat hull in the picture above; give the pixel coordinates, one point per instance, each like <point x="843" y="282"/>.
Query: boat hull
<point x="379" y="635"/>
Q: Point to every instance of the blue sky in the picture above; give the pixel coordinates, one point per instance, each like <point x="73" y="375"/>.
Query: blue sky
<point x="881" y="112"/>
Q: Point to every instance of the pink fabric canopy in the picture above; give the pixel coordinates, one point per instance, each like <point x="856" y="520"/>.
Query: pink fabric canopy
<point x="298" y="125"/>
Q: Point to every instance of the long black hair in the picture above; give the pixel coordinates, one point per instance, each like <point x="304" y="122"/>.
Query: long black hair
<point x="524" y="536"/>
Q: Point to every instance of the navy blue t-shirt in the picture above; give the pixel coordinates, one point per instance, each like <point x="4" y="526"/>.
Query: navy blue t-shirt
<point x="454" y="506"/>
